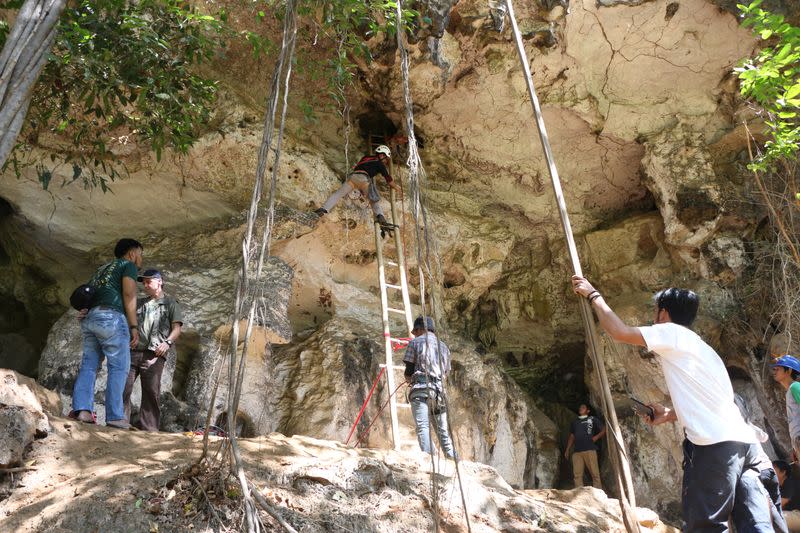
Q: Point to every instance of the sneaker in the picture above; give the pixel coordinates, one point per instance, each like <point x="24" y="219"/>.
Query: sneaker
<point x="82" y="416"/>
<point x="119" y="424"/>
<point x="320" y="212"/>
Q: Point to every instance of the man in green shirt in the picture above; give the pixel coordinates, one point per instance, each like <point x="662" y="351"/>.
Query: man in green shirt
<point x="109" y="329"/>
<point x="160" y="321"/>
<point x="785" y="370"/>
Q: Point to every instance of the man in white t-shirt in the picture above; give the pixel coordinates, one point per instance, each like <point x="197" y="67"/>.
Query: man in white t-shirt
<point x="719" y="446"/>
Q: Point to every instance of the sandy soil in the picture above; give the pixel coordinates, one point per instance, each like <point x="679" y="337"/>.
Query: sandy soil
<point x="89" y="478"/>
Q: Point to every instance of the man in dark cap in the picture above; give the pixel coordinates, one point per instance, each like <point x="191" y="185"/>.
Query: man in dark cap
<point x="427" y="362"/>
<point x="160" y="319"/>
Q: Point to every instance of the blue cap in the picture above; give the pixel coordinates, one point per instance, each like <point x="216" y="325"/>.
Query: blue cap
<point x="787" y="361"/>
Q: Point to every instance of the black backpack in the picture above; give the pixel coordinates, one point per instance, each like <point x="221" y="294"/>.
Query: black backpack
<point x="81" y="298"/>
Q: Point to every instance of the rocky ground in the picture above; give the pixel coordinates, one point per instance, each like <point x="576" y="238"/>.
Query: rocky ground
<point x="90" y="478"/>
<point x="87" y="478"/>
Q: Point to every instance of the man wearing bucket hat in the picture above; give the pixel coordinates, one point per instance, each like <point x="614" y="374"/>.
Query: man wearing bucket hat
<point x="785" y="371"/>
<point x="160" y="321"/>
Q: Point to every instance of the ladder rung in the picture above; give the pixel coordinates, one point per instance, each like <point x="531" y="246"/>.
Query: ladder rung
<point x="392" y="263"/>
<point x="406" y="405"/>
<point x="393" y="310"/>
<point x="399" y="341"/>
<point x="396" y="367"/>
<point x="391" y="286"/>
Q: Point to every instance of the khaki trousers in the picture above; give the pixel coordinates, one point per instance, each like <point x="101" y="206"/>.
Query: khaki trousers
<point x="586" y="459"/>
<point x="792" y="520"/>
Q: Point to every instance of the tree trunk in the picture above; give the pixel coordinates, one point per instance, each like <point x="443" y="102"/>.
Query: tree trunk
<point x="21" y="61"/>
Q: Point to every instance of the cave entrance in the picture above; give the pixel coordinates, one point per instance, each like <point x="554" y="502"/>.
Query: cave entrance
<point x="376" y="128"/>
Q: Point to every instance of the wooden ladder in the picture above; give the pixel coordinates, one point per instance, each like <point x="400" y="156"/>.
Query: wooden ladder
<point x="402" y="308"/>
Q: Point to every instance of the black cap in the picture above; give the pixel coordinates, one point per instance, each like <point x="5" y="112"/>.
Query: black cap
<point x="149" y="273"/>
<point x="421" y="322"/>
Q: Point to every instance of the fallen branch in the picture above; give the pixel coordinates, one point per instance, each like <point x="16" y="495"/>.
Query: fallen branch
<point x="208" y="502"/>
<point x="264" y="504"/>
<point x="16" y="469"/>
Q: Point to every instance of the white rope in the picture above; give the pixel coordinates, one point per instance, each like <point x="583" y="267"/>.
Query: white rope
<point x="247" y="289"/>
<point x="619" y="458"/>
<point x="417" y="183"/>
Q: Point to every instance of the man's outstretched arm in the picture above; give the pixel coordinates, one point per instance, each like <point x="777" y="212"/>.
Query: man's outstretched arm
<point x="609" y="321"/>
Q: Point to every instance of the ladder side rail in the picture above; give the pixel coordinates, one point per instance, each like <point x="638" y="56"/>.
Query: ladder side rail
<point x="401" y="261"/>
<point x="387" y="337"/>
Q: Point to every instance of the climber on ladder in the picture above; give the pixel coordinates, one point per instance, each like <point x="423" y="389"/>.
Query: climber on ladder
<point x="362" y="178"/>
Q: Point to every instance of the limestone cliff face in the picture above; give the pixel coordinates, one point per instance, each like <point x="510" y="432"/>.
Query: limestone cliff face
<point x="642" y="114"/>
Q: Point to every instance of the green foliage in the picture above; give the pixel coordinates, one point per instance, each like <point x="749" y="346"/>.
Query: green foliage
<point x="772" y="79"/>
<point x="121" y="72"/>
<point x="124" y="72"/>
<point x="350" y="24"/>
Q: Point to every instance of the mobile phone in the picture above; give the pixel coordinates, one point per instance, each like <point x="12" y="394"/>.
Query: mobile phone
<point x="641" y="408"/>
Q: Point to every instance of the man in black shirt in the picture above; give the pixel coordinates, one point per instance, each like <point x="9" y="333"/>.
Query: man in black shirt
<point x="362" y="178"/>
<point x="584" y="432"/>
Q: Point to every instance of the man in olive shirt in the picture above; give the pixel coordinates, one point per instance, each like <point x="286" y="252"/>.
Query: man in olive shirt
<point x="109" y="329"/>
<point x="160" y="321"/>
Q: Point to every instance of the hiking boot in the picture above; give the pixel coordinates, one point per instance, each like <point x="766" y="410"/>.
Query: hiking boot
<point x="320" y="212"/>
<point x="385" y="224"/>
<point x="118" y="424"/>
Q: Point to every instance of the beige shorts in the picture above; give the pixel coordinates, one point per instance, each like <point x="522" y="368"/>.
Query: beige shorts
<point x="359" y="178"/>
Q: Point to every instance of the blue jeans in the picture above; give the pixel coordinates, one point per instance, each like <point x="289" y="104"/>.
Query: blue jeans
<point x="105" y="334"/>
<point x="422" y="415"/>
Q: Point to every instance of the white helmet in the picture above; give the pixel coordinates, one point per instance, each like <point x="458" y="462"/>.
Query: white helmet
<point x="383" y="149"/>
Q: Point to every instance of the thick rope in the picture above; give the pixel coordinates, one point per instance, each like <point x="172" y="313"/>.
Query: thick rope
<point x="247" y="289"/>
<point x="616" y="445"/>
<point x="416" y="176"/>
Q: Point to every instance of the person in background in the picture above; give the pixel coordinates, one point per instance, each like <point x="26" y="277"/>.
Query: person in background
<point x="785" y="370"/>
<point x="160" y="321"/>
<point x="584" y="432"/>
<point x="790" y="494"/>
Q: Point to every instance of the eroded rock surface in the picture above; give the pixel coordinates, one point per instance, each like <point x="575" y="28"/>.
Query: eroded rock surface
<point x="22" y="417"/>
